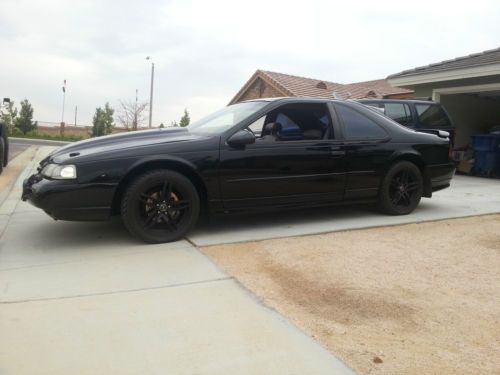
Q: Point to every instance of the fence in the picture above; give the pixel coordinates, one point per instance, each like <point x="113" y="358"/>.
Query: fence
<point x="60" y="129"/>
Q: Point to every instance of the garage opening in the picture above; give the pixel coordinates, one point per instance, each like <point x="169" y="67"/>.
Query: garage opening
<point x="475" y="111"/>
<point x="472" y="113"/>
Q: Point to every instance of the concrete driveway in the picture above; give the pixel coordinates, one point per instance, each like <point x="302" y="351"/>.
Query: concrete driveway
<point x="85" y="298"/>
<point x="467" y="196"/>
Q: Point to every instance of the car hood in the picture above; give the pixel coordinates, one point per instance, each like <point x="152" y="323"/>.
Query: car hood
<point x="114" y="142"/>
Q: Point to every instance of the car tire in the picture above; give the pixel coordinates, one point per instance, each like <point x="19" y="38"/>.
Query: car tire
<point x="2" y="154"/>
<point x="6" y="152"/>
<point x="160" y="206"/>
<point x="401" y="189"/>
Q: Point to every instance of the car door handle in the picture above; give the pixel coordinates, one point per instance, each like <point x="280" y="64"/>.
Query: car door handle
<point x="331" y="150"/>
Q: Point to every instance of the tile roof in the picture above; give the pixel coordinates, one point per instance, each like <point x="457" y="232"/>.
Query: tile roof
<point x="301" y="86"/>
<point x="380" y="87"/>
<point x="491" y="56"/>
<point x="291" y="85"/>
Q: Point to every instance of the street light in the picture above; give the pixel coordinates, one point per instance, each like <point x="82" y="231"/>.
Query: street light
<point x="151" y="91"/>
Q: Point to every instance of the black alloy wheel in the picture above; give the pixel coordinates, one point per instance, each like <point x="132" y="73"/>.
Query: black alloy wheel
<point x="401" y="189"/>
<point x="160" y="206"/>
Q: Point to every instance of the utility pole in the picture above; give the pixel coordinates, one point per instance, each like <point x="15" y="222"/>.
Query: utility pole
<point x="64" y="99"/>
<point x="134" y="125"/>
<point x="151" y="91"/>
<point x="76" y="111"/>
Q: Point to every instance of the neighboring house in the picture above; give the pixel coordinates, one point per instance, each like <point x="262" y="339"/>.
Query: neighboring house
<point x="265" y="84"/>
<point x="468" y="87"/>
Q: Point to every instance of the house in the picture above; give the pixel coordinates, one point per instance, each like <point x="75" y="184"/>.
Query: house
<point x="468" y="87"/>
<point x="265" y="84"/>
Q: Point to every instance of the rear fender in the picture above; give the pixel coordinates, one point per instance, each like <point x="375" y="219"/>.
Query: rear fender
<point x="414" y="157"/>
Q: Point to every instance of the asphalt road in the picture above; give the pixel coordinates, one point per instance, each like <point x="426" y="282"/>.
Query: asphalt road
<point x="16" y="148"/>
<point x="18" y="145"/>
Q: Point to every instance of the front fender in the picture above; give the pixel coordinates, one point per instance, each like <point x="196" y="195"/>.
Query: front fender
<point x="142" y="165"/>
<point x="162" y="160"/>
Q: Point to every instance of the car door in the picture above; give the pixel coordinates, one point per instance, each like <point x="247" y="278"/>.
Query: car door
<point x="292" y="168"/>
<point x="367" y="150"/>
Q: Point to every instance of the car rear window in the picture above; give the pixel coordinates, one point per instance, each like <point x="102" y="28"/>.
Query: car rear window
<point x="432" y="115"/>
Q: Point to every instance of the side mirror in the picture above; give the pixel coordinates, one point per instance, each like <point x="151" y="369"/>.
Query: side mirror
<point x="241" y="138"/>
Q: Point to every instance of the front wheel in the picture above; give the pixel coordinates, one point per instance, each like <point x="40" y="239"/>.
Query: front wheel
<point x="401" y="189"/>
<point x="160" y="206"/>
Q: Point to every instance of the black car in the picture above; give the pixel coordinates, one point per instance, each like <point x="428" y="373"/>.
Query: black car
<point x="4" y="146"/>
<point x="422" y="115"/>
<point x="254" y="155"/>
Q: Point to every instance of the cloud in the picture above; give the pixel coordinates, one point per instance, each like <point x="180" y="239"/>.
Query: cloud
<point x="205" y="51"/>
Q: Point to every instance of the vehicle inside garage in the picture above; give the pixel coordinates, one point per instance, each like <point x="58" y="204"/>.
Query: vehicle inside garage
<point x="468" y="87"/>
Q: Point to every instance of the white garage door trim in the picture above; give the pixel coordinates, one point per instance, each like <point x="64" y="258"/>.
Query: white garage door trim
<point x="436" y="93"/>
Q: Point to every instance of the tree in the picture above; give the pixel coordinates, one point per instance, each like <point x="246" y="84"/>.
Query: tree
<point x="162" y="125"/>
<point x="132" y="114"/>
<point x="8" y="117"/>
<point x="25" y="120"/>
<point x="174" y="124"/>
<point x="103" y="122"/>
<point x="185" y="119"/>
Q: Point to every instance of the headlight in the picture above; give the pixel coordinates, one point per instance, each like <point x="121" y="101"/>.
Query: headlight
<point x="59" y="172"/>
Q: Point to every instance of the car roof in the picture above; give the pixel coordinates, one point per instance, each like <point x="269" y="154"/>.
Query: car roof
<point x="418" y="101"/>
<point x="302" y="99"/>
<point x="293" y="99"/>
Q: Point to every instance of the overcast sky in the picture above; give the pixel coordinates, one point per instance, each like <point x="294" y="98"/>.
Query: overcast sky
<point x="204" y="51"/>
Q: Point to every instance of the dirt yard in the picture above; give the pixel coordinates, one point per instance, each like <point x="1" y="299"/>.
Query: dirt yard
<point x="411" y="299"/>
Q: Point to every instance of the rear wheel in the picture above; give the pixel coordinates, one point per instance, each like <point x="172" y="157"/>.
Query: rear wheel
<point x="401" y="189"/>
<point x="160" y="206"/>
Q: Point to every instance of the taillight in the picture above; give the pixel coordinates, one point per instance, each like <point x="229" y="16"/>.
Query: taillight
<point x="450" y="152"/>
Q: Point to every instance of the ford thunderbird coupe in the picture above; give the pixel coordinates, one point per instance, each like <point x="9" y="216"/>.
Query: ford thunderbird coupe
<point x="255" y="155"/>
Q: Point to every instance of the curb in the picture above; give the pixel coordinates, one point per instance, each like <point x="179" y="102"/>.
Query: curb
<point x="15" y="169"/>
<point x="10" y="195"/>
<point x="37" y="141"/>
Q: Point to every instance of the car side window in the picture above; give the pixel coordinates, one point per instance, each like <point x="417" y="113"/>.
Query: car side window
<point x="399" y="112"/>
<point x="256" y="126"/>
<point x="293" y="122"/>
<point x="358" y="126"/>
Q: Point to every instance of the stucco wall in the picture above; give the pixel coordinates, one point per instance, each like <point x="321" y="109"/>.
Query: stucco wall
<point x="260" y="89"/>
<point x="426" y="90"/>
<point x="471" y="115"/>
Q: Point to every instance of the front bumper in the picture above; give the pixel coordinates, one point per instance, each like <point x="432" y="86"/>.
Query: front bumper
<point x="69" y="200"/>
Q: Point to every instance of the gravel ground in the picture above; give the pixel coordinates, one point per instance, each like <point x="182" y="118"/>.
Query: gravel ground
<point x="410" y="299"/>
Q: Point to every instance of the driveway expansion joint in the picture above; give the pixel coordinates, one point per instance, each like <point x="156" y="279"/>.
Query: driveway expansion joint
<point x="189" y="283"/>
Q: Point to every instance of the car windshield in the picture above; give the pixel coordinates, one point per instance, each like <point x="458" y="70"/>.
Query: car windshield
<point x="226" y="118"/>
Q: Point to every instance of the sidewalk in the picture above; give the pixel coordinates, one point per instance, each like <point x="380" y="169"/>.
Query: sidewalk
<point x="85" y="298"/>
